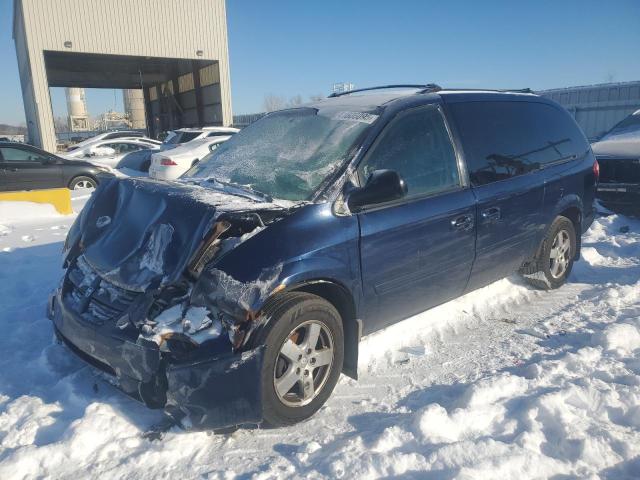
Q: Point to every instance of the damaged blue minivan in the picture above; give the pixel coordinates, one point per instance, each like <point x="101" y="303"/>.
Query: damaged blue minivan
<point x="238" y="294"/>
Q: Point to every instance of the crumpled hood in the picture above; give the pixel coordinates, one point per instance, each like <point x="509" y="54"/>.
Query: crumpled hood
<point x="141" y="233"/>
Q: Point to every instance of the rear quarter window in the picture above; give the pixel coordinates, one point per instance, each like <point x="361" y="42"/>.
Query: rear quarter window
<point x="505" y="139"/>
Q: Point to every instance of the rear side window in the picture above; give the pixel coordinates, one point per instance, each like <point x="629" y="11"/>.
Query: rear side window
<point x="220" y="134"/>
<point x="187" y="136"/>
<point x="123" y="147"/>
<point x="416" y="145"/>
<point x="506" y="139"/>
<point x="121" y="135"/>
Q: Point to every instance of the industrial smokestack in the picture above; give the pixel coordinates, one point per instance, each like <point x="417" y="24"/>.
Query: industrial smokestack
<point x="77" y="110"/>
<point x="134" y="108"/>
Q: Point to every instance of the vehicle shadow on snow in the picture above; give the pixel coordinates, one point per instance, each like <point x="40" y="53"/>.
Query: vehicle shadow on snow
<point x="39" y="378"/>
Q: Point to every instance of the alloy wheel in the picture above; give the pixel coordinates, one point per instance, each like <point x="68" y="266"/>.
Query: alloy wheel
<point x="303" y="364"/>
<point x="560" y="254"/>
<point x="84" y="184"/>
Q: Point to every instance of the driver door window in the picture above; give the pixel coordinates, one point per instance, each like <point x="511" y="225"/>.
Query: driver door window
<point x="10" y="154"/>
<point x="121" y="148"/>
<point x="417" y="145"/>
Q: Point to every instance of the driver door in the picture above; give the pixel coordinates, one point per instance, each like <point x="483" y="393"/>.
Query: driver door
<point x="416" y="252"/>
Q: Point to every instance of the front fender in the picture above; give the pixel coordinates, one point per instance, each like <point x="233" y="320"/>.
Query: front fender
<point x="310" y="244"/>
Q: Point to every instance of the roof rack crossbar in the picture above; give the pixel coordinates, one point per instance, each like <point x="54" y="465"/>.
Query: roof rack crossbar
<point x="430" y="87"/>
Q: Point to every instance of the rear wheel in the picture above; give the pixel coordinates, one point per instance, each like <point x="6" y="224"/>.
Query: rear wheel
<point x="303" y="357"/>
<point x="82" y="182"/>
<point x="554" y="259"/>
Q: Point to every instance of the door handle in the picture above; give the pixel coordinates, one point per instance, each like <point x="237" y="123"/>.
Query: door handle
<point x="463" y="222"/>
<point x="491" y="214"/>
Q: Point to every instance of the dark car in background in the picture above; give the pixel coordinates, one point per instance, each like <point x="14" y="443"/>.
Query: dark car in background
<point x="240" y="294"/>
<point x="618" y="154"/>
<point x="24" y="167"/>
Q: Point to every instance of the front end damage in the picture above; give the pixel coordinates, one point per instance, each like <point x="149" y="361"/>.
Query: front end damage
<point x="143" y="301"/>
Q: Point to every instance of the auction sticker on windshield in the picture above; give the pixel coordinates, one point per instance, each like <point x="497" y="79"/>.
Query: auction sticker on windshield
<point x="356" y="117"/>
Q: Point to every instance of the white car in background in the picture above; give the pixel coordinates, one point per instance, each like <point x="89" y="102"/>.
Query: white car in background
<point x="171" y="164"/>
<point x="111" y="152"/>
<point x="185" y="135"/>
<point x="105" y="136"/>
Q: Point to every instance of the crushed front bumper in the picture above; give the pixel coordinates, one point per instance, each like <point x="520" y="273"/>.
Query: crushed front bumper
<point x="215" y="388"/>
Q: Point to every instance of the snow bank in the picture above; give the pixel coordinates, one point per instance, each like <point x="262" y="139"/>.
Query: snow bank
<point x="22" y="212"/>
<point x="622" y="337"/>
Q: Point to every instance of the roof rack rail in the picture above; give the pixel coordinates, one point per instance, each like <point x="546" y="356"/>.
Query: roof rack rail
<point x="504" y="90"/>
<point x="429" y="87"/>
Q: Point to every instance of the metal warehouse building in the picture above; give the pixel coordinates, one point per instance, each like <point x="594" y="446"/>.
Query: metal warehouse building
<point x="175" y="50"/>
<point x="597" y="108"/>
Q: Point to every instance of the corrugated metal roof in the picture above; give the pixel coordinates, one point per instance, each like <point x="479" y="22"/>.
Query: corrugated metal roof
<point x="598" y="107"/>
<point x="184" y="29"/>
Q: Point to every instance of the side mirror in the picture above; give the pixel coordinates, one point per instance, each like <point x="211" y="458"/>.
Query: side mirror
<point x="382" y="186"/>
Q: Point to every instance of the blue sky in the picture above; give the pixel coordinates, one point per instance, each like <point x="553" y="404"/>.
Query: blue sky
<point x="303" y="47"/>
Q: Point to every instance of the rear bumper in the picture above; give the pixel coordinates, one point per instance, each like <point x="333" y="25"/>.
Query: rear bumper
<point x="212" y="390"/>
<point x="626" y="194"/>
<point x="166" y="173"/>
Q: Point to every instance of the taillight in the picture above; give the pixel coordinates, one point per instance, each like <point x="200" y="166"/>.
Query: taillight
<point x="167" y="162"/>
<point x="596" y="170"/>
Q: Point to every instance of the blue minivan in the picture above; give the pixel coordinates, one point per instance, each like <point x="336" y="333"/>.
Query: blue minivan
<point x="239" y="293"/>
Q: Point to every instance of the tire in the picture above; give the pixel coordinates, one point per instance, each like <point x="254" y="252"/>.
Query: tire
<point x="291" y="319"/>
<point x="82" y="181"/>
<point x="554" y="259"/>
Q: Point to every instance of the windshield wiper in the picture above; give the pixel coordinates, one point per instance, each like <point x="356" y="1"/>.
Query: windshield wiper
<point x="245" y="188"/>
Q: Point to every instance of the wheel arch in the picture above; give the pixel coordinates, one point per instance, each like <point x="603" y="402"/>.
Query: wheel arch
<point x="342" y="299"/>
<point x="574" y="213"/>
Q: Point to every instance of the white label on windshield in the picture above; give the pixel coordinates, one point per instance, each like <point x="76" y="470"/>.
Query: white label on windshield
<point x="356" y="117"/>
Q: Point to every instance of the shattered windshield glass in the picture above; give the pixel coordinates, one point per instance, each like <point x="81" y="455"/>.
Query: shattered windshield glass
<point x="287" y="154"/>
<point x="181" y="137"/>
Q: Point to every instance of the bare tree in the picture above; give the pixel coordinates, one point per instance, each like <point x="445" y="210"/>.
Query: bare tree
<point x="273" y="102"/>
<point x="316" y="97"/>
<point x="60" y="124"/>
<point x="296" y="101"/>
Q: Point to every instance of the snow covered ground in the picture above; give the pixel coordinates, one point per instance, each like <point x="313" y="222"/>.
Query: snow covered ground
<point x="506" y="382"/>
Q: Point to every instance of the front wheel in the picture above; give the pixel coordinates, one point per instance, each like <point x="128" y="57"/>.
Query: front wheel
<point x="554" y="259"/>
<point x="83" y="183"/>
<point x="303" y="357"/>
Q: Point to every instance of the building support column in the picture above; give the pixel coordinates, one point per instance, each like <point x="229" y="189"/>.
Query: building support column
<point x="195" y="71"/>
<point x="148" y="114"/>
